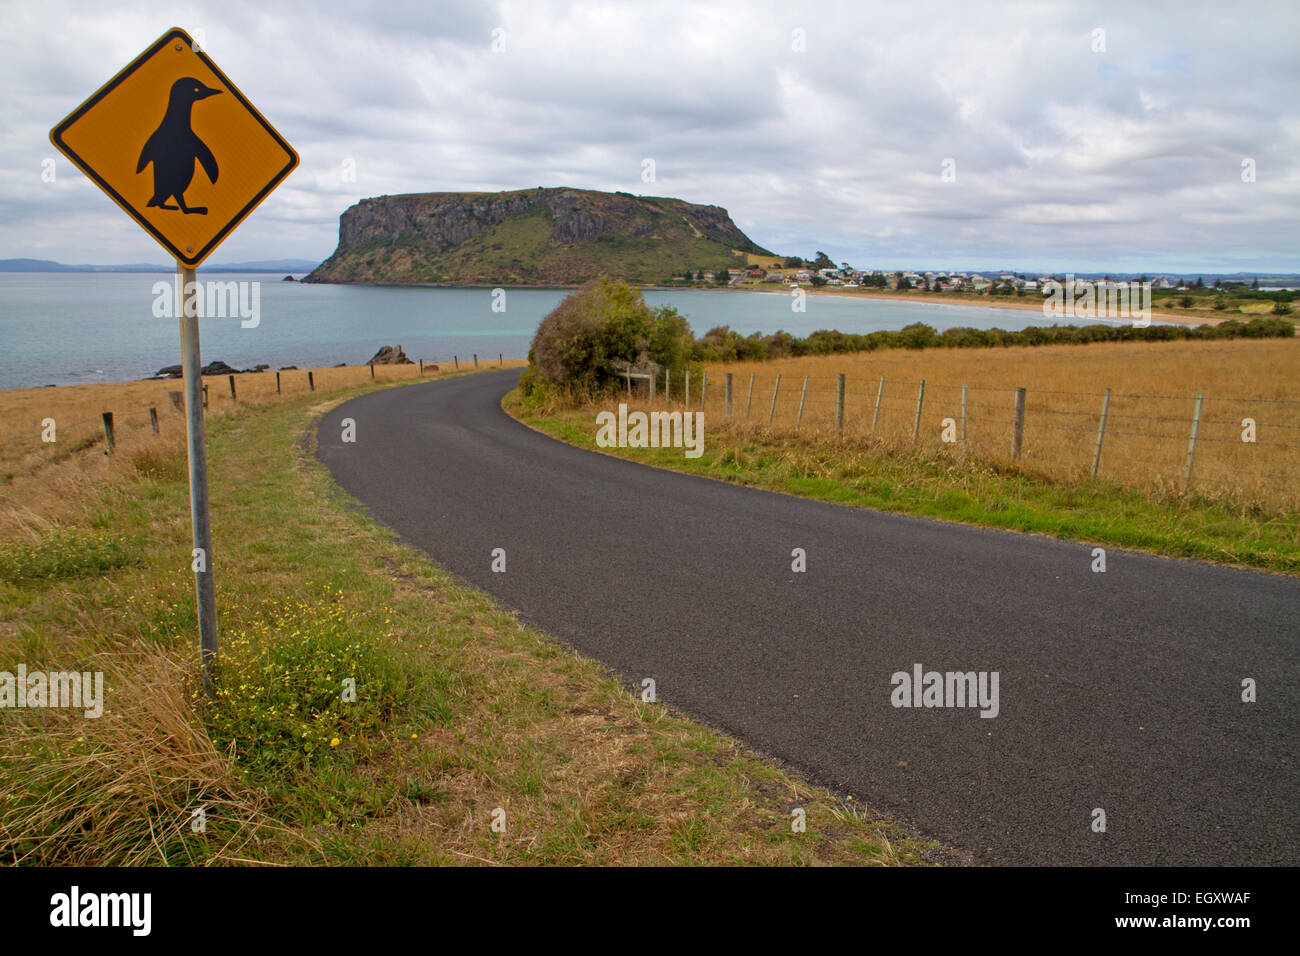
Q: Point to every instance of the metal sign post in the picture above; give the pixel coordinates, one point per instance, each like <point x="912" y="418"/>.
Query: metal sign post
<point x="186" y="155"/>
<point x="200" y="522"/>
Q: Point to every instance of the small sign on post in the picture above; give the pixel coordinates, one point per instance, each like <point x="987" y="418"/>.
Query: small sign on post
<point x="174" y="143"/>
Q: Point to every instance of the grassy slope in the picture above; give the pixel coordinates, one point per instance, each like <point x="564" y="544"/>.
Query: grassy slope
<point x="856" y="473"/>
<point x="460" y="708"/>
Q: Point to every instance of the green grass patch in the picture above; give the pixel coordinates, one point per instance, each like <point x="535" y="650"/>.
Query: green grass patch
<point x="66" y="553"/>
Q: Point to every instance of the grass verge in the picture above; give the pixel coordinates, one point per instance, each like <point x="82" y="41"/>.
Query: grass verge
<point x="461" y="714"/>
<point x="870" y="473"/>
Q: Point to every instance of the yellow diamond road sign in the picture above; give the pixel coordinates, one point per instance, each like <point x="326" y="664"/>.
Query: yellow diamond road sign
<point x="177" y="146"/>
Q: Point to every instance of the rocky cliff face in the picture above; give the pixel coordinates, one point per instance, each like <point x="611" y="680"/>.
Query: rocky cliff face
<point x="558" y="236"/>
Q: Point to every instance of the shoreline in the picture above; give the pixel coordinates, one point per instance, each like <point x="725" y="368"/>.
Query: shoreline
<point x="1010" y="304"/>
<point x="948" y="298"/>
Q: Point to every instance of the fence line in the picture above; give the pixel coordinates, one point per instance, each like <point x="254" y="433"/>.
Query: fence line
<point x="106" y="428"/>
<point x="1179" y="442"/>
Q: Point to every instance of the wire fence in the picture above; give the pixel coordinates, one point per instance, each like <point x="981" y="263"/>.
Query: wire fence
<point x="1246" y="448"/>
<point x="48" y="426"/>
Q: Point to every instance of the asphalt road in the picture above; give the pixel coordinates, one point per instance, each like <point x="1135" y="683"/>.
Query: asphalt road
<point x="1118" y="691"/>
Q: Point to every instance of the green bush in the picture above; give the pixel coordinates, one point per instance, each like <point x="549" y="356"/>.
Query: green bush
<point x="604" y="322"/>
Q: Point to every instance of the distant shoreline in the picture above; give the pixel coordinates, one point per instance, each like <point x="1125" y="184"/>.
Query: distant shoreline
<point x="1011" y="304"/>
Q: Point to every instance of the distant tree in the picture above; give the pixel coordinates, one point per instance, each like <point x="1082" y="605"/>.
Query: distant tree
<point x="1186" y="301"/>
<point x="901" y="282"/>
<point x="818" y="280"/>
<point x="1200" y="283"/>
<point x="823" y="261"/>
<point x="1281" y="308"/>
<point x="1254" y="286"/>
<point x="794" y="262"/>
<point x="699" y="276"/>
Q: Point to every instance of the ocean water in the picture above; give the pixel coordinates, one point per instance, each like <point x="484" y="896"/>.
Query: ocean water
<point x="68" y="329"/>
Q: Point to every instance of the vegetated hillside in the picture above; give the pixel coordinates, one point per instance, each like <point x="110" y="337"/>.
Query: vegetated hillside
<point x="529" y="237"/>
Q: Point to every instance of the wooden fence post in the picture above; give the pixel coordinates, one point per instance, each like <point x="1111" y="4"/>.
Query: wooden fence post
<point x="1018" y="428"/>
<point x="476" y="360"/>
<point x="231" y="379"/>
<point x="311" y="381"/>
<point x="839" y="404"/>
<point x="1101" y="433"/>
<point x="749" y="399"/>
<point x="277" y="383"/>
<point x="880" y="393"/>
<point x="1191" y="441"/>
<point x="456" y="359"/>
<point x="372" y="369"/>
<point x="728" y="400"/>
<point x="153" y="419"/>
<point x="704" y="389"/>
<point x="421" y="368"/>
<point x="501" y="360"/>
<point x="688" y="388"/>
<point x="802" y="396"/>
<point x="963" y="411"/>
<point x="205" y="396"/>
<point x="107" y="419"/>
<point x="920" y="400"/>
<point x="775" y="391"/>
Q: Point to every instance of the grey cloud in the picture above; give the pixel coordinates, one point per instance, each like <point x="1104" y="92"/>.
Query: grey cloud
<point x="1064" y="157"/>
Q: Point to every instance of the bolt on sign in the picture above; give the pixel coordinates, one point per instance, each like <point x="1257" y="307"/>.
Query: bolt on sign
<point x="177" y="146"/>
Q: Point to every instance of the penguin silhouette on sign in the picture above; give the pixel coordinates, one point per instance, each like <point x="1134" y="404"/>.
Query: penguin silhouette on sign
<point x="174" y="147"/>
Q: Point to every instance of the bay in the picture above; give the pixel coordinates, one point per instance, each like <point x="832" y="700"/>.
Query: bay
<point x="73" y="328"/>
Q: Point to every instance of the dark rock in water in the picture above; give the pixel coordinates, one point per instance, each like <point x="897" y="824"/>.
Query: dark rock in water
<point x="288" y="279"/>
<point x="341" y="365"/>
<point x="288" y="368"/>
<point x="170" y="371"/>
<point x="387" y="355"/>
<point x="219" y="368"/>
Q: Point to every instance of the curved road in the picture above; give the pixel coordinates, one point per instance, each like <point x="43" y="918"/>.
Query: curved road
<point x="1118" y="691"/>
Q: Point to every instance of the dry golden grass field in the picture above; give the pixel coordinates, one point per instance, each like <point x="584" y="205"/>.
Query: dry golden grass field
<point x="1153" y="396"/>
<point x="39" y="479"/>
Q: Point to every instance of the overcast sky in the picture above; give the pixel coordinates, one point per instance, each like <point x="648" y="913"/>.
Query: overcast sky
<point x="818" y="126"/>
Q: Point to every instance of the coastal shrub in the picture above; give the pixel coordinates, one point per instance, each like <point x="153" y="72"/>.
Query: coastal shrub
<point x="605" y="322"/>
<point x="721" y="344"/>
